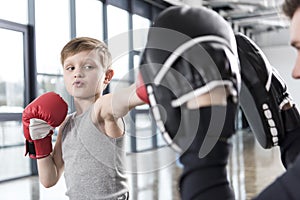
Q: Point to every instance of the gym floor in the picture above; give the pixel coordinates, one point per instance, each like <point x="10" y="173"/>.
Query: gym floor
<point x="153" y="175"/>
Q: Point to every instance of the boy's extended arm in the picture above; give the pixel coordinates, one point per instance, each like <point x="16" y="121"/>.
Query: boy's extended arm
<point x="123" y="100"/>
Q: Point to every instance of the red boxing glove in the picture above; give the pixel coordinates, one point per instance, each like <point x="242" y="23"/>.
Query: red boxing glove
<point x="39" y="118"/>
<point x="141" y="90"/>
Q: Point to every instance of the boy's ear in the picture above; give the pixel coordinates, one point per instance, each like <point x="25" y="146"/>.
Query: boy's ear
<point x="108" y="76"/>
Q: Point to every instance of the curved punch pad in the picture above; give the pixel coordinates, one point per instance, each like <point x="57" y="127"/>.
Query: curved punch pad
<point x="258" y="96"/>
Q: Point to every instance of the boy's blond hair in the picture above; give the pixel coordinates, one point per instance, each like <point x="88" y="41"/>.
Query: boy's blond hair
<point x="80" y="44"/>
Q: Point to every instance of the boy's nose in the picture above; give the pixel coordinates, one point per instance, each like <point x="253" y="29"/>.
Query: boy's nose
<point x="78" y="73"/>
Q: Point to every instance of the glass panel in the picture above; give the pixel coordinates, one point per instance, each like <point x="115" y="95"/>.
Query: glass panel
<point x="11" y="133"/>
<point x="53" y="83"/>
<point x="89" y="23"/>
<point x="140" y="31"/>
<point x="118" y="40"/>
<point x="12" y="61"/>
<point x="52" y="33"/>
<point x="143" y="131"/>
<point x="16" y="164"/>
<point x="50" y="83"/>
<point x="14" y="10"/>
<point x="136" y="64"/>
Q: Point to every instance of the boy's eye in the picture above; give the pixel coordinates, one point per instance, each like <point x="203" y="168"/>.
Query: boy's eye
<point x="71" y="68"/>
<point x="87" y="67"/>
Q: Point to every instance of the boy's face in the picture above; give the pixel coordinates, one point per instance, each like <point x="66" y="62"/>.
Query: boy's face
<point x="84" y="75"/>
<point x="295" y="42"/>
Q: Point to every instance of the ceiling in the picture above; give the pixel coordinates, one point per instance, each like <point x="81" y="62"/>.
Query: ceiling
<point x="254" y="17"/>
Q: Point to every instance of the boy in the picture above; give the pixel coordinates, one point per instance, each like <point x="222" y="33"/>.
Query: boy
<point x="90" y="142"/>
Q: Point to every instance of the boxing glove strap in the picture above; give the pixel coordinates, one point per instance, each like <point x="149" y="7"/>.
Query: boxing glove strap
<point x="30" y="148"/>
<point x="291" y="118"/>
<point x="39" y="148"/>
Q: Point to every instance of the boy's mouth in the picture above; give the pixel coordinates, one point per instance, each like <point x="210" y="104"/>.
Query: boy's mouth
<point x="77" y="83"/>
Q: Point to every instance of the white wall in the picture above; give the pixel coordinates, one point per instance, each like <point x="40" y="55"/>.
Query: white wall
<point x="282" y="56"/>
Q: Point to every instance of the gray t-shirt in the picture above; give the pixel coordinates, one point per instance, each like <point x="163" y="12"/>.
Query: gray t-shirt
<point x="94" y="163"/>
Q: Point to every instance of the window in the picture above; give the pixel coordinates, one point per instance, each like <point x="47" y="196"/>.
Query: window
<point x="89" y="20"/>
<point x="14" y="10"/>
<point x="52" y="33"/>
<point x="12" y="100"/>
<point x="140" y="26"/>
<point x="12" y="61"/>
<point x="118" y="41"/>
<point x="140" y="31"/>
<point x="12" y="151"/>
